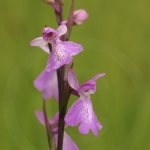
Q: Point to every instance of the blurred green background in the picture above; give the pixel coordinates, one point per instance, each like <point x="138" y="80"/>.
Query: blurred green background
<point x="116" y="40"/>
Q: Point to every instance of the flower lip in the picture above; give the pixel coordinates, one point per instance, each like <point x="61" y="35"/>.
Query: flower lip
<point x="47" y="83"/>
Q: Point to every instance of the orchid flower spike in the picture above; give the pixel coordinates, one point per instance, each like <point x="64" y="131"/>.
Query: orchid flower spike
<point x="62" y="51"/>
<point x="82" y="109"/>
<point x="79" y="17"/>
<point x="68" y="143"/>
<point x="47" y="83"/>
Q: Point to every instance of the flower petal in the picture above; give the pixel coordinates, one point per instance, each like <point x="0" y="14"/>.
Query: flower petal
<point x="72" y="80"/>
<point x="62" y="29"/>
<point x="74" y="92"/>
<point x="50" y="63"/>
<point x="68" y="143"/>
<point x="48" y="34"/>
<point x="45" y="49"/>
<point x="90" y="86"/>
<point x="59" y="64"/>
<point x="41" y="80"/>
<point x="40" y="117"/>
<point x="38" y="42"/>
<point x="73" y="117"/>
<point x="82" y="111"/>
<point x="55" y="6"/>
<point x="72" y="48"/>
<point x="69" y="60"/>
<point x="56" y="60"/>
<point x="64" y="22"/>
<point x="48" y="84"/>
<point x="56" y="117"/>
<point x="98" y="76"/>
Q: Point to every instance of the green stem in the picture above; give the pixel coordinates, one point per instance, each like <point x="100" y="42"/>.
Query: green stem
<point x="62" y="112"/>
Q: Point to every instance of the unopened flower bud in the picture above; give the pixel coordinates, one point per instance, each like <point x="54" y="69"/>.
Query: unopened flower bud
<point x="80" y="16"/>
